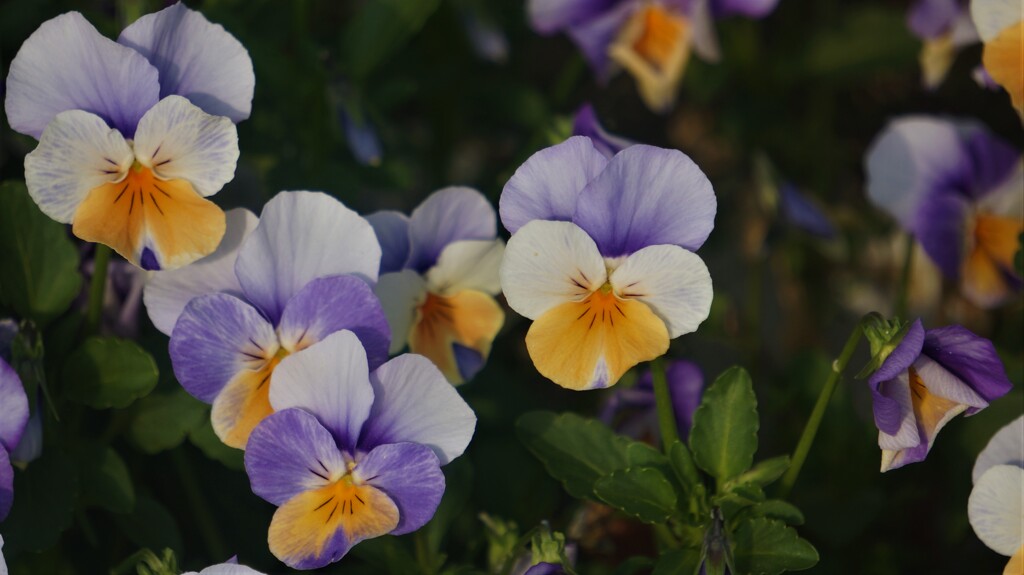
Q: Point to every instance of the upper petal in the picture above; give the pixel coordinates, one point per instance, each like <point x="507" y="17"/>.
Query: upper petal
<point x="594" y="35"/>
<point x="467" y="264"/>
<point x="410" y="474"/>
<point x="303" y="236"/>
<point x="1005" y="448"/>
<point x="414" y="402"/>
<point x="996" y="506"/>
<point x="940" y="225"/>
<point x="749" y="8"/>
<point x="196" y="59"/>
<point x="13" y="407"/>
<point x="77" y="153"/>
<point x="993" y="16"/>
<point x="647" y="196"/>
<point x="932" y="18"/>
<point x="228" y="569"/>
<point x="67" y="65"/>
<point x="549" y="263"/>
<point x="392" y="229"/>
<point x="971" y="358"/>
<point x="549" y="16"/>
<point x="547" y="185"/>
<point x="447" y="216"/>
<point x="329" y="379"/>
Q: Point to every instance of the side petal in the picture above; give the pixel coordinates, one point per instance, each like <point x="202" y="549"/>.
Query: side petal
<point x="400" y="293"/>
<point x="410" y="474"/>
<point x="992" y="17"/>
<point x="303" y="236"/>
<point x="167" y="292"/>
<point x="6" y="494"/>
<point x="969" y="357"/>
<point x="67" y="65"/>
<point x="456" y="332"/>
<point x="1005" y="448"/>
<point x="674" y="282"/>
<point x="329" y="379"/>
<point x="228" y="569"/>
<point x="331" y="304"/>
<point x="887" y="411"/>
<point x="179" y="141"/>
<point x="392" y="229"/>
<point x="548" y="184"/>
<point x="13" y="408"/>
<point x="467" y="265"/>
<point x="593" y="36"/>
<point x="547" y="264"/>
<point x="196" y="59"/>
<point x="446" y="216"/>
<point x="414" y="403"/>
<point x="647" y="196"/>
<point x="289" y="453"/>
<point x="550" y="16"/>
<point x="995" y="507"/>
<point x="1002" y="59"/>
<point x="939" y="225"/>
<point x="76" y="153"/>
<point x="906" y="438"/>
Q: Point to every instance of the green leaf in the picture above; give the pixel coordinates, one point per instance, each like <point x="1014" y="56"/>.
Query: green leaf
<point x="775" y="509"/>
<point x="632" y="565"/>
<point x="682" y="464"/>
<point x="724" y="434"/>
<point x="39" y="275"/>
<point x="765" y="472"/>
<point x="105" y="479"/>
<point x="380" y="28"/>
<point x="738" y="499"/>
<point x="151" y="526"/>
<point x="108" y="372"/>
<point x="203" y="437"/>
<point x="678" y="562"/>
<point x="765" y="546"/>
<point x="388" y="554"/>
<point x="643" y="492"/>
<point x="44" y="503"/>
<point x="162" y="421"/>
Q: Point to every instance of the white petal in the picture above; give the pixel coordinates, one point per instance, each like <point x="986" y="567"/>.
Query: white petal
<point x="996" y="508"/>
<point x="704" y="37"/>
<point x="548" y="263"/>
<point x="1005" y="448"/>
<point x="167" y="292"/>
<point x="993" y="16"/>
<point x="1007" y="199"/>
<point x="469" y="264"/>
<point x="76" y="153"/>
<point x="400" y="293"/>
<point x="180" y="141"/>
<point x="942" y="383"/>
<point x="674" y="282"/>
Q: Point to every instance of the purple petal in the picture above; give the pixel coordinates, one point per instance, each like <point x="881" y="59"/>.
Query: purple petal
<point x="992" y="160"/>
<point x="550" y="16"/>
<point x="940" y="226"/>
<point x="196" y="59"/>
<point x="216" y="337"/>
<point x="392" y="229"/>
<point x="362" y="138"/>
<point x="447" y="216"/>
<point x="971" y="358"/>
<point x="594" y="36"/>
<point x="410" y="474"/>
<point x="545" y="569"/>
<point x="547" y="186"/>
<point x="647" y="196"/>
<point x="6" y="487"/>
<point x="748" y="8"/>
<point x="587" y="124"/>
<point x="929" y="19"/>
<point x="804" y="214"/>
<point x="331" y="304"/>
<point x="886" y="409"/>
<point x="288" y="453"/>
<point x="31" y="445"/>
<point x="13" y="407"/>
<point x="686" y="385"/>
<point x="67" y="65"/>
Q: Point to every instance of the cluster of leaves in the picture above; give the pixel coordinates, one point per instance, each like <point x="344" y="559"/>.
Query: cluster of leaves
<point x="708" y="497"/>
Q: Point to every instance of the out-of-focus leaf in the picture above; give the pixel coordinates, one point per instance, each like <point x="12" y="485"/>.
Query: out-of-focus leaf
<point x="643" y="492"/>
<point x="163" y="420"/>
<point x="633" y="565"/>
<point x="39" y="275"/>
<point x="109" y="372"/>
<point x="870" y="38"/>
<point x="387" y="553"/>
<point x="458" y="478"/>
<point x="380" y="28"/>
<point x="678" y="562"/>
<point x="44" y="503"/>
<point x="203" y="437"/>
<point x="105" y="481"/>
<point x="765" y="546"/>
<point x="724" y="434"/>
<point x="151" y="526"/>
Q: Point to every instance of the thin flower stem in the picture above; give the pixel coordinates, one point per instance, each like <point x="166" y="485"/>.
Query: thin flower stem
<point x="200" y="510"/>
<point x="908" y="263"/>
<point x="424" y="557"/>
<point x="97" y="289"/>
<point x="663" y="399"/>
<point x="811" y="429"/>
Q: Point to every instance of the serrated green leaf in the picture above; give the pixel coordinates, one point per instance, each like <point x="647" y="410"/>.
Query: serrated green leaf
<point x="107" y="372"/>
<point x="764" y="473"/>
<point x="643" y="492"/>
<point x="39" y="275"/>
<point x="105" y="481"/>
<point x="775" y="509"/>
<point x="44" y="503"/>
<point x="765" y="546"/>
<point x="724" y="434"/>
<point x="163" y="420"/>
<point x="678" y="562"/>
<point x="203" y="437"/>
<point x="738" y="499"/>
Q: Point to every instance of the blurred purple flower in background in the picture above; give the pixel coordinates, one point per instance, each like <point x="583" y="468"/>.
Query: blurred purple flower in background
<point x="945" y="27"/>
<point x="586" y="124"/>
<point x="632" y="410"/>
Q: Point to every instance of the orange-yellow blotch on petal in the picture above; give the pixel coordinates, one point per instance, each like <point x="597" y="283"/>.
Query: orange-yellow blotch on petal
<point x="654" y="46"/>
<point x="302" y="528"/>
<point x="1004" y="58"/>
<point x="931" y="411"/>
<point x="141" y="211"/>
<point x="469" y="318"/>
<point x="986" y="267"/>
<point x="589" y="344"/>
<point x="243" y="404"/>
<point x="1016" y="564"/>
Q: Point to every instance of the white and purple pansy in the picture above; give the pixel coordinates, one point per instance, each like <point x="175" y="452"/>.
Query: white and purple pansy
<point x="439" y="276"/>
<point x="352" y="453"/>
<point x="945" y="27"/>
<point x="230" y="568"/>
<point x="13" y="419"/>
<point x="274" y="287"/>
<point x="929" y="378"/>
<point x="996" y="505"/>
<point x="957" y="188"/>
<point x="134" y="135"/>
<point x="602" y="257"/>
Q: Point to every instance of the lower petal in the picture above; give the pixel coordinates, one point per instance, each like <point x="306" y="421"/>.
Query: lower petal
<point x="1002" y="60"/>
<point x="461" y="326"/>
<point x="984" y="283"/>
<point x="590" y="344"/>
<point x="1016" y="564"/>
<point x="242" y="405"/>
<point x="654" y="47"/>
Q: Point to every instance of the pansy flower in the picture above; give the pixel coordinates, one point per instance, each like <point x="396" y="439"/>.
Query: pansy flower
<point x="352" y="454"/>
<point x="944" y="27"/>
<point x="996" y="505"/>
<point x="586" y="123"/>
<point x="229" y="568"/>
<point x="13" y="418"/>
<point x="1000" y="24"/>
<point x="929" y="378"/>
<point x="601" y="257"/>
<point x="439" y="276"/>
<point x="651" y="39"/>
<point x="633" y="411"/>
<point x="957" y="188"/>
<point x="273" y="288"/>
<point x="134" y="135"/>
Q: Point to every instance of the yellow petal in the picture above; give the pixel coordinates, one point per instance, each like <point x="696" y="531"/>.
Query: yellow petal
<point x="591" y="343"/>
<point x="1003" y="58"/>
<point x="931" y="411"/>
<point x="470" y="318"/>
<point x="654" y="46"/>
<point x="1016" y="564"/>
<point x="991" y="259"/>
<point x="242" y="405"/>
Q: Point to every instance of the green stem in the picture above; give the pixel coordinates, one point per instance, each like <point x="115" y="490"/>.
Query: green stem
<point x="97" y="289"/>
<point x="200" y="510"/>
<point x="811" y="429"/>
<point x="908" y="262"/>
<point x="423" y="555"/>
<point x="663" y="400"/>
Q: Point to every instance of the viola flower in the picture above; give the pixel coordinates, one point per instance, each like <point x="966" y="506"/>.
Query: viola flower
<point x="801" y="212"/>
<point x="633" y="412"/>
<point x="353" y="454"/>
<point x="996" y="505"/>
<point x="273" y="288"/>
<point x="134" y="135"/>
<point x="229" y="568"/>
<point x="945" y="28"/>
<point x="439" y="276"/>
<point x="956" y="187"/>
<point x="928" y="379"/>
<point x="13" y="418"/>
<point x="1000" y="24"/>
<point x="650" y="39"/>
<point x="601" y="257"/>
<point x="586" y="124"/>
